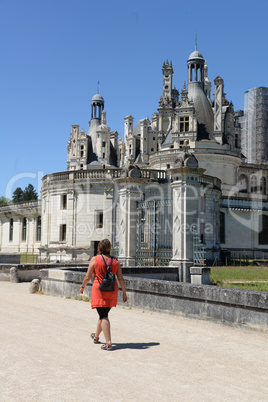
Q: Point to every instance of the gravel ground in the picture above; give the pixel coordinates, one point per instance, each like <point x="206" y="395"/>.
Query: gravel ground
<point x="47" y="355"/>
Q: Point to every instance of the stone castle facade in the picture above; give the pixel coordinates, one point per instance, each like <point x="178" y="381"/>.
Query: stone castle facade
<point x="179" y="174"/>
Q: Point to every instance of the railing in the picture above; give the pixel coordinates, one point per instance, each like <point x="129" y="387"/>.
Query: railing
<point x="214" y="181"/>
<point x="259" y="205"/>
<point x="100" y="174"/>
<point x="16" y="206"/>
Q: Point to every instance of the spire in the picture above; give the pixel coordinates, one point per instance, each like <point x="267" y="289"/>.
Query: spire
<point x="98" y="87"/>
<point x="195" y="41"/>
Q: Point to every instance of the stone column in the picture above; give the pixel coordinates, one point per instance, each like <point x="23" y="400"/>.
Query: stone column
<point x="129" y="194"/>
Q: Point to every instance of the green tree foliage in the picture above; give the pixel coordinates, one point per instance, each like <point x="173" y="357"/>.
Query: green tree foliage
<point x="17" y="195"/>
<point x="28" y="194"/>
<point x="4" y="200"/>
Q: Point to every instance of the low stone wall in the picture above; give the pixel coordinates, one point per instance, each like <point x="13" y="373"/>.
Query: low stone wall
<point x="10" y="258"/>
<point x="28" y="272"/>
<point x="244" y="308"/>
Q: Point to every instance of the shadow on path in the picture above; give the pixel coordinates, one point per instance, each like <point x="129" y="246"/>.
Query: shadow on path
<point x="140" y="345"/>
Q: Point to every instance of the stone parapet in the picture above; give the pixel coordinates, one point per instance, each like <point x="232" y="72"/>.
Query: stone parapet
<point x="230" y="306"/>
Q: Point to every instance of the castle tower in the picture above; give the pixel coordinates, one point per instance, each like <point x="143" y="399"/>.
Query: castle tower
<point x="165" y="104"/>
<point x="218" y="102"/>
<point x="97" y="106"/>
<point x="167" y="80"/>
<point x="207" y="82"/>
<point x="196" y="93"/>
<point x="103" y="140"/>
<point x="196" y="70"/>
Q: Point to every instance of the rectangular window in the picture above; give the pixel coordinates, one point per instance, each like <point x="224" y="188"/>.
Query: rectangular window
<point x="263" y="229"/>
<point x="103" y="155"/>
<point x="24" y="229"/>
<point x="184" y="124"/>
<point x="11" y="224"/>
<point x="64" y="202"/>
<point x="222" y="227"/>
<point x="103" y="144"/>
<point x="202" y="230"/>
<point x="63" y="232"/>
<point x="99" y="219"/>
<point x="38" y="229"/>
<point x="202" y="203"/>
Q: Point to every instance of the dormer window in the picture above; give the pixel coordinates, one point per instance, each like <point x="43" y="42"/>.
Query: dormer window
<point x="184" y="124"/>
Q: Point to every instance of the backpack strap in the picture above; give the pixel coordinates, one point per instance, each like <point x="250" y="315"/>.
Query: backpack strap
<point x="108" y="269"/>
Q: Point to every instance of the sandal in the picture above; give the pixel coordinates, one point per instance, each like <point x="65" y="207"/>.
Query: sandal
<point x="95" y="338"/>
<point x="107" y="346"/>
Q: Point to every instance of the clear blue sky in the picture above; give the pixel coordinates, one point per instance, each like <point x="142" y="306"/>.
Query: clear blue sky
<point x="53" y="52"/>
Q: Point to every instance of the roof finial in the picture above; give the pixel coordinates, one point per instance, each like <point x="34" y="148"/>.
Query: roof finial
<point x="98" y="87"/>
<point x="195" y="40"/>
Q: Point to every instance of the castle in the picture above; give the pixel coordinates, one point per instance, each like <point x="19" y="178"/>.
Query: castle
<point x="175" y="178"/>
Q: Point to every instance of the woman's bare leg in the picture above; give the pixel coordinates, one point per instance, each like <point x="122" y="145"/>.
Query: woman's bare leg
<point x="106" y="328"/>
<point x="99" y="329"/>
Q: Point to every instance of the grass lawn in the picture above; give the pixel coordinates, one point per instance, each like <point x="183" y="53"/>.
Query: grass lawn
<point x="253" y="278"/>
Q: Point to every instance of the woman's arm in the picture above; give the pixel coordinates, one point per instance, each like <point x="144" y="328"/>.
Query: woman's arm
<point x="88" y="275"/>
<point x="121" y="281"/>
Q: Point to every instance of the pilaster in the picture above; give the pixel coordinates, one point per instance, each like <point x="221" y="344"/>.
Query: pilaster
<point x="129" y="194"/>
<point x="186" y="193"/>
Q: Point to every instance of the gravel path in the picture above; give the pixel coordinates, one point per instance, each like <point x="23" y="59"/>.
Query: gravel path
<point x="46" y="354"/>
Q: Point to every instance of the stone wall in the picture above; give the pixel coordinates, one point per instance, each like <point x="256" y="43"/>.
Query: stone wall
<point x="243" y="308"/>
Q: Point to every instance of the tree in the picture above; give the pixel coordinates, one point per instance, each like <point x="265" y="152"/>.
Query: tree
<point x="17" y="195"/>
<point x="29" y="193"/>
<point x="4" y="200"/>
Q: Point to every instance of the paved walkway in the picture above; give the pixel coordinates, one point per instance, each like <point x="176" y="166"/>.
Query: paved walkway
<point x="46" y="355"/>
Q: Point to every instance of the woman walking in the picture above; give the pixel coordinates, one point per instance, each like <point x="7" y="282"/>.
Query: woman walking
<point x="103" y="301"/>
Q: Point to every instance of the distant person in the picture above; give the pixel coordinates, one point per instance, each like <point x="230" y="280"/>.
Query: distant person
<point x="103" y="301"/>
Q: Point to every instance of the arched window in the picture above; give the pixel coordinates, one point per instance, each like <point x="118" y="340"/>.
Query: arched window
<point x="11" y="223"/>
<point x="263" y="186"/>
<point x="38" y="229"/>
<point x="253" y="184"/>
<point x="24" y="229"/>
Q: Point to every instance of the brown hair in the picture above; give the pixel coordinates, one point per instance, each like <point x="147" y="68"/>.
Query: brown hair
<point x="104" y="247"/>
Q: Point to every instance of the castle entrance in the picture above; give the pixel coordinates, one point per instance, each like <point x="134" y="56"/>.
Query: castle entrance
<point x="154" y="233"/>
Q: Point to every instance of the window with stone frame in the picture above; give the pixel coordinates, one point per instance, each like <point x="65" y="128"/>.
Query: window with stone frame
<point x="263" y="229"/>
<point x="99" y="219"/>
<point x="24" y="229"/>
<point x="263" y="185"/>
<point x="253" y="184"/>
<point x="202" y="232"/>
<point x="64" y="201"/>
<point x="63" y="232"/>
<point x="11" y="226"/>
<point x="222" y="227"/>
<point x="184" y="124"/>
<point x="38" y="228"/>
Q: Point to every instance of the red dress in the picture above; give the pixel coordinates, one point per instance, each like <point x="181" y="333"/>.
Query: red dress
<point x="98" y="298"/>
